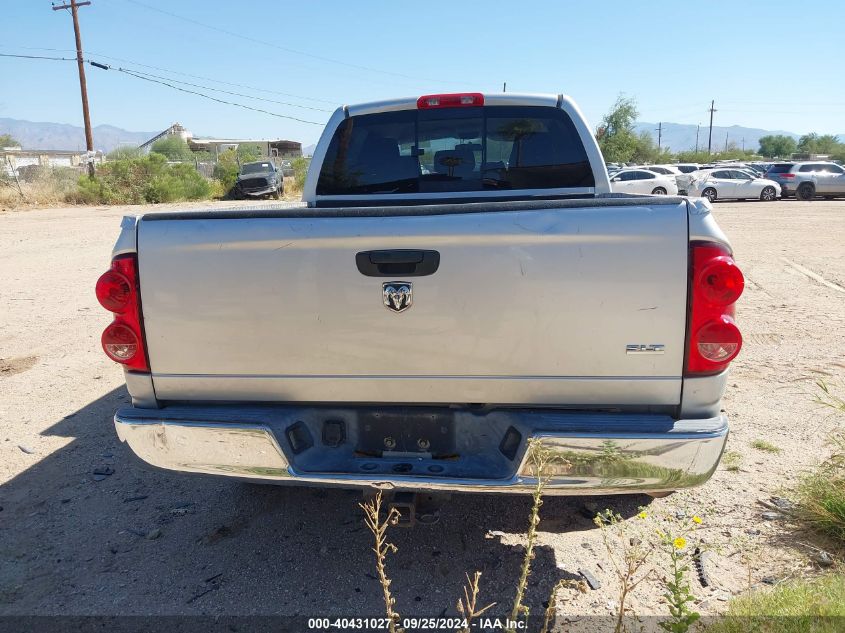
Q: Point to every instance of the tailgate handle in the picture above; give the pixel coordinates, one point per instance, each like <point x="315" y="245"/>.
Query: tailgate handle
<point x="405" y="262"/>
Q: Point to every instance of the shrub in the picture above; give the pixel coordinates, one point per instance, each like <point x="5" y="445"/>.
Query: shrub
<point x="300" y="171"/>
<point x="821" y="493"/>
<point x="817" y="605"/>
<point x="124" y="152"/>
<point x="143" y="179"/>
<point x="823" y="502"/>
<point x="766" y="447"/>
<point x="217" y="191"/>
<point x="40" y="186"/>
<point x="732" y="461"/>
<point x="227" y="168"/>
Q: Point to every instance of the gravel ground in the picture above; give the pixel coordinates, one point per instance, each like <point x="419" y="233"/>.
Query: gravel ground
<point x="145" y="542"/>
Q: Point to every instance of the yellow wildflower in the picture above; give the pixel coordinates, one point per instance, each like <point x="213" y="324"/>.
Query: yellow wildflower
<point x="680" y="542"/>
<point x="642" y="515"/>
<point x="696" y="519"/>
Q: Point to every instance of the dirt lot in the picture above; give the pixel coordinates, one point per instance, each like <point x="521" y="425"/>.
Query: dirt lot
<point x="74" y="543"/>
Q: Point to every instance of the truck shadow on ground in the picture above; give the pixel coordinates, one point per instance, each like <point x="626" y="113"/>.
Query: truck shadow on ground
<point x="90" y="530"/>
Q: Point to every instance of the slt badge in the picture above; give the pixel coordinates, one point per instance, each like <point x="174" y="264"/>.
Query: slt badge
<point x="398" y="295"/>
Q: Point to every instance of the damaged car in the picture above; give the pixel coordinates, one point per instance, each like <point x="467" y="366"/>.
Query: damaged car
<point x="259" y="179"/>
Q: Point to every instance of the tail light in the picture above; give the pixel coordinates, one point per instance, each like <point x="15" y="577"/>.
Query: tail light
<point x="118" y="292"/>
<point x="716" y="283"/>
<point x="459" y="100"/>
<point x="787" y="175"/>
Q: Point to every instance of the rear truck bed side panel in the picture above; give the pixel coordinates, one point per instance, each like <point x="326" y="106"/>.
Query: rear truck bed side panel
<point x="527" y="307"/>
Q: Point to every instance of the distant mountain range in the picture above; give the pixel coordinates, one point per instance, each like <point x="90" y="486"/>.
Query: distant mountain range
<point x="37" y="135"/>
<point x="40" y="135"/>
<point x="680" y="137"/>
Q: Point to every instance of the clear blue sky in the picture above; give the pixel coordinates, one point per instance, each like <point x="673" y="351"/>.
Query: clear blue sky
<point x="672" y="56"/>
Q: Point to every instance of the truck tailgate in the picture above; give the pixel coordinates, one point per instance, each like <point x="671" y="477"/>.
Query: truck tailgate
<point x="534" y="306"/>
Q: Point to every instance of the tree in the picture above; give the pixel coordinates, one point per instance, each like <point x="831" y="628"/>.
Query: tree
<point x="173" y="148"/>
<point x="248" y="153"/>
<point x="828" y="144"/>
<point x="777" y="145"/>
<point x="646" y="151"/>
<point x="807" y="143"/>
<point x="616" y="137"/>
<point x="620" y="143"/>
<point x="6" y="140"/>
<point x="813" y="143"/>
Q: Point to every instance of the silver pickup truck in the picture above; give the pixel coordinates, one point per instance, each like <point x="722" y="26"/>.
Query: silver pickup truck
<point x="459" y="281"/>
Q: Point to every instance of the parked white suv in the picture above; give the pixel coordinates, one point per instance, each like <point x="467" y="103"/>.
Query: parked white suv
<point x="806" y="180"/>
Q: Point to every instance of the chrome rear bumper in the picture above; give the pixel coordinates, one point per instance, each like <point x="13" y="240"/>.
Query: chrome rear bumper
<point x="608" y="458"/>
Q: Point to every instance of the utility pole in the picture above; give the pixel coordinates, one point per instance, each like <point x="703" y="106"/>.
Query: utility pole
<point x="743" y="144"/>
<point x="726" y="141"/>
<point x="659" y="134"/>
<point x="697" y="130"/>
<point x="83" y="87"/>
<point x="505" y="87"/>
<point x="710" y="137"/>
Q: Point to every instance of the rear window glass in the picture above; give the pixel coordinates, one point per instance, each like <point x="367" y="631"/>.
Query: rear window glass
<point x="780" y="168"/>
<point x="455" y="149"/>
<point x="687" y="169"/>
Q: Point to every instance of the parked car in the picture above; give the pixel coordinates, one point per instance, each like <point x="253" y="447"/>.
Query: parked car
<point x="760" y="167"/>
<point x="415" y="331"/>
<point x="259" y="179"/>
<point x="671" y="171"/>
<point x="684" y="183"/>
<point x="643" y="181"/>
<point x="738" y="184"/>
<point x="806" y="180"/>
<point x="687" y="168"/>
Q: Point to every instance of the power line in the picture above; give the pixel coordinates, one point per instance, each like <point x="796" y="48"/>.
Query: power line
<point x="200" y="94"/>
<point x="277" y="46"/>
<point x="132" y="73"/>
<point x="184" y="74"/>
<point x="58" y="59"/>
<point x="219" y="81"/>
<point x="236" y="94"/>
